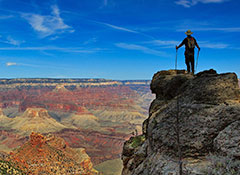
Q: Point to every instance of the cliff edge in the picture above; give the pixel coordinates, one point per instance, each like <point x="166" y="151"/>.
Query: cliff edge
<point x="209" y="125"/>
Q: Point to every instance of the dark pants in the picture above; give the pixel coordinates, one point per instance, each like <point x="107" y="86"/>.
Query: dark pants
<point x="189" y="60"/>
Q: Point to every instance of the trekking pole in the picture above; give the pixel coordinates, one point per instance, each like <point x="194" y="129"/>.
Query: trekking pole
<point x="197" y="61"/>
<point x="176" y="61"/>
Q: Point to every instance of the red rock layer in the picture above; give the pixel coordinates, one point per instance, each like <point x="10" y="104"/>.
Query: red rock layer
<point x="99" y="146"/>
<point x="11" y="139"/>
<point x="119" y="97"/>
<point x="50" y="155"/>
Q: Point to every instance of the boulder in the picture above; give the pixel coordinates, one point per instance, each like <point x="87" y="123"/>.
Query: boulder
<point x="164" y="83"/>
<point x="228" y="140"/>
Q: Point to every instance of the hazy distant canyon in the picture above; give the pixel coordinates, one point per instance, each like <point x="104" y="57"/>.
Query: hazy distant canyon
<point x="95" y="114"/>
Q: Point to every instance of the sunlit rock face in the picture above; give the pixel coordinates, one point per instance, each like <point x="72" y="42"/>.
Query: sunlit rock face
<point x="37" y="120"/>
<point x="209" y="115"/>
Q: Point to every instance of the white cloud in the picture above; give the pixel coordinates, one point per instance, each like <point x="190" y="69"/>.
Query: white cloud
<point x="11" y="64"/>
<point x="90" y="41"/>
<point x="8" y="64"/>
<point x="115" y="27"/>
<point x="141" y="48"/>
<point x="206" y="44"/>
<point x="10" y="40"/>
<point x="105" y="2"/>
<point x="203" y="44"/>
<point x="54" y="38"/>
<point x="6" y="17"/>
<point x="209" y="1"/>
<point x="189" y="3"/>
<point x="124" y="29"/>
<point x="185" y="3"/>
<point x="165" y="43"/>
<point x="223" y="29"/>
<point x="120" y="28"/>
<point x="49" y="48"/>
<point x="47" y="25"/>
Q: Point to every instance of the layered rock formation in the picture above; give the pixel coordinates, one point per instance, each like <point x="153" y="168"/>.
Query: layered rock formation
<point x="99" y="146"/>
<point x="51" y="155"/>
<point x="9" y="140"/>
<point x="82" y="120"/>
<point x="96" y="114"/>
<point x="35" y="119"/>
<point x="4" y="120"/>
<point x="208" y="108"/>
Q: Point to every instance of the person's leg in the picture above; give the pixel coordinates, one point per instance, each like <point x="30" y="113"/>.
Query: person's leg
<point x="187" y="61"/>
<point x="192" y="63"/>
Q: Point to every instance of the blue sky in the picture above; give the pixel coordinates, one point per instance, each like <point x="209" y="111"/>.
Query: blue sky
<point x="114" y="39"/>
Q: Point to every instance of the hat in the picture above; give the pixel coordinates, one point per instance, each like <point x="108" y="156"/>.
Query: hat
<point x="189" y="32"/>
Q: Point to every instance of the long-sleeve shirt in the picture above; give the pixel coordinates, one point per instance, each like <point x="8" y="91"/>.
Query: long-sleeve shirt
<point x="186" y="43"/>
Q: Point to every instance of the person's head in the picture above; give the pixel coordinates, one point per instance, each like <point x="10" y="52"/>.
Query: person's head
<point x="189" y="33"/>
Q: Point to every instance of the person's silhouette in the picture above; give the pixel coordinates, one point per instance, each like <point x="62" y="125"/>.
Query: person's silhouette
<point x="190" y="43"/>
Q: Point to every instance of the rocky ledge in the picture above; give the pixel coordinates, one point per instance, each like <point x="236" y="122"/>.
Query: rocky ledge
<point x="208" y="106"/>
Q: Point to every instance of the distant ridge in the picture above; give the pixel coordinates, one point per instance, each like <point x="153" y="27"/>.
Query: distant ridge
<point x="81" y="82"/>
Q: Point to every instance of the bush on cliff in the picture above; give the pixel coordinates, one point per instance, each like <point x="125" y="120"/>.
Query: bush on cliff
<point x="8" y="168"/>
<point x="137" y="141"/>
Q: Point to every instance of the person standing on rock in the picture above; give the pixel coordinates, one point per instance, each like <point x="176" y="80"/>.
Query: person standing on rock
<point x="190" y="43"/>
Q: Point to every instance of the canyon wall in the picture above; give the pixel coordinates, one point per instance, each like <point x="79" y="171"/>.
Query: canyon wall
<point x="95" y="114"/>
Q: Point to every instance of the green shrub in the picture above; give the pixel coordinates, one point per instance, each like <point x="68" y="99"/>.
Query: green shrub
<point x="137" y="141"/>
<point x="7" y="168"/>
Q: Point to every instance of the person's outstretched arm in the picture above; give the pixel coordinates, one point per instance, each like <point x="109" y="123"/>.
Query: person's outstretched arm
<point x="197" y="45"/>
<point x="180" y="45"/>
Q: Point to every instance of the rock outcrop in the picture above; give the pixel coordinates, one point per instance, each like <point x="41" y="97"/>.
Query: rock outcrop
<point x="208" y="106"/>
<point x="83" y="120"/>
<point x="51" y="155"/>
<point x="37" y="120"/>
<point x="60" y="88"/>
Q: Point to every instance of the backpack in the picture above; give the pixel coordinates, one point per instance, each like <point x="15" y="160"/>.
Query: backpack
<point x="191" y="43"/>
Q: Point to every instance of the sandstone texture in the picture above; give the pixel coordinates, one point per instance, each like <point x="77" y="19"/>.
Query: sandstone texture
<point x="208" y="106"/>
